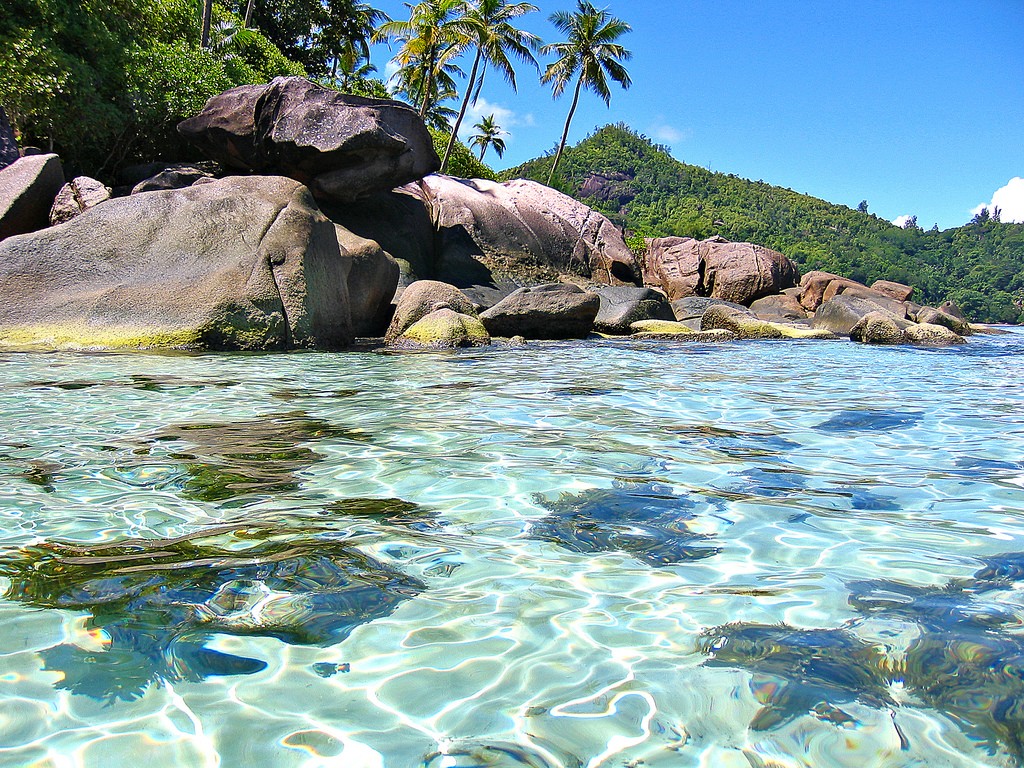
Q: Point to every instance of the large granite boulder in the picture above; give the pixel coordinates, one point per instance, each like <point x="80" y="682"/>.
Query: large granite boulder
<point x="8" y="144"/>
<point x="343" y="147"/>
<point x="690" y="309"/>
<point x="76" y="196"/>
<point x="879" y="328"/>
<point x="241" y="263"/>
<point x="526" y="231"/>
<point x="372" y="278"/>
<point x="553" y="311"/>
<point x="951" y="308"/>
<point x="736" y="272"/>
<point x="816" y="283"/>
<point x="933" y="316"/>
<point x="420" y="299"/>
<point x="27" y="191"/>
<point x="842" y="313"/>
<point x="929" y="335"/>
<point x="746" y="325"/>
<point x="621" y="306"/>
<point x="779" y="308"/>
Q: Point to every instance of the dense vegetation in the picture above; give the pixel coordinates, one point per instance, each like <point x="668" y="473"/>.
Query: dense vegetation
<point x="644" y="189"/>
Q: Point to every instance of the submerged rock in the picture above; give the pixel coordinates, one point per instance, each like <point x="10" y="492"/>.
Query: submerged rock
<point x="158" y="603"/>
<point x="645" y="520"/>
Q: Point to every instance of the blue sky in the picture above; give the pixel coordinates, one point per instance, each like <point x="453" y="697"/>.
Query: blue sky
<point x="916" y="106"/>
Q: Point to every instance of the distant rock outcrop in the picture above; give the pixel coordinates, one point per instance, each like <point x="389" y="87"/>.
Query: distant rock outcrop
<point x="717" y="268"/>
<point x="76" y="196"/>
<point x="343" y="147"/>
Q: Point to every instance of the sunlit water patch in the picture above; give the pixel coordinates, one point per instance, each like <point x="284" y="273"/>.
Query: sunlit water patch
<point x="566" y="554"/>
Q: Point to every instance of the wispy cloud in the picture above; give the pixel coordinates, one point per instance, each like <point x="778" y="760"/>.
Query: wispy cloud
<point x="662" y="130"/>
<point x="1009" y="199"/>
<point x="503" y="116"/>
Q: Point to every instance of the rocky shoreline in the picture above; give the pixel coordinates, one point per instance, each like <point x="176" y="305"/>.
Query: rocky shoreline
<point x="320" y="220"/>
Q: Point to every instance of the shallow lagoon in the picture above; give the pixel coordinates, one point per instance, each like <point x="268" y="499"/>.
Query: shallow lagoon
<point x="574" y="554"/>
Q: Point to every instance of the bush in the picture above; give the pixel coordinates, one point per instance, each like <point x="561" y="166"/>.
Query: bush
<point x="462" y="163"/>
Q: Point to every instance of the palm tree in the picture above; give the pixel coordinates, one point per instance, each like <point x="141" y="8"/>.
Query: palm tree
<point x="494" y="37"/>
<point x="434" y="35"/>
<point x="592" y="53"/>
<point x="489" y="135"/>
<point x="350" y="30"/>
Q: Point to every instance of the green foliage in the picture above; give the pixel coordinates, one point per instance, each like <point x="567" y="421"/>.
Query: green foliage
<point x="647" y="190"/>
<point x="462" y="163"/>
<point x="105" y="82"/>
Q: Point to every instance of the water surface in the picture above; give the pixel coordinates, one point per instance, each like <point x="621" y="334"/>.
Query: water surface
<point x="567" y="554"/>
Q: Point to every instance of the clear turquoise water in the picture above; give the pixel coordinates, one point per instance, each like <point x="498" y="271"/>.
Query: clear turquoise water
<point x="577" y="523"/>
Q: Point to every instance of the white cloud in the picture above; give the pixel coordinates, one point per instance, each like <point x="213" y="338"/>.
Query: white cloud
<point x="1009" y="199"/>
<point x="503" y="116"/>
<point x="663" y="131"/>
<point x="902" y="221"/>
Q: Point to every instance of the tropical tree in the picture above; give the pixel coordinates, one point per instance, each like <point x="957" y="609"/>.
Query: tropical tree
<point x="590" y="54"/>
<point x="435" y="34"/>
<point x="347" y="36"/>
<point x="494" y="36"/>
<point x="488" y="134"/>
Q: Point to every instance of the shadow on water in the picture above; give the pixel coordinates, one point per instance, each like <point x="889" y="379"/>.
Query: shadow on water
<point x="140" y="382"/>
<point x="235" y="460"/>
<point x="869" y="420"/>
<point x="645" y="520"/>
<point x="966" y="658"/>
<point x="155" y="605"/>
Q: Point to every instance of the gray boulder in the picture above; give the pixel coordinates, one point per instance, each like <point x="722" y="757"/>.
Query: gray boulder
<point x="690" y="309"/>
<point x="879" y="328"/>
<point x="241" y="263"/>
<point x="420" y="299"/>
<point x="842" y="313"/>
<point x="621" y="306"/>
<point x="27" y="191"/>
<point x="372" y="279"/>
<point x="932" y="316"/>
<point x="172" y="177"/>
<point x="525" y="231"/>
<point x="779" y="308"/>
<point x="951" y="308"/>
<point x="554" y="311"/>
<point x="344" y="147"/>
<point x="736" y="272"/>
<point x="8" y="144"/>
<point x="926" y="334"/>
<point x="76" y="196"/>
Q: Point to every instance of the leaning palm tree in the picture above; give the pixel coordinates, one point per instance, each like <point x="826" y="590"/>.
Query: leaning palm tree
<point x="591" y="53"/>
<point x="494" y="37"/>
<point x="432" y="38"/>
<point x="488" y="134"/>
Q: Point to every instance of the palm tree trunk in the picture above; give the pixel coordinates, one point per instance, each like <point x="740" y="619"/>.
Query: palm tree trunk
<point x="565" y="133"/>
<point x="204" y="40"/>
<point x="248" y="13"/>
<point x="428" y="83"/>
<point x="462" y="111"/>
<point x="483" y="148"/>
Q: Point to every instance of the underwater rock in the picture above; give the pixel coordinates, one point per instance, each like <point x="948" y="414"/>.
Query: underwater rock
<point x="645" y="520"/>
<point x="236" y="460"/>
<point x="869" y="420"/>
<point x="157" y="602"/>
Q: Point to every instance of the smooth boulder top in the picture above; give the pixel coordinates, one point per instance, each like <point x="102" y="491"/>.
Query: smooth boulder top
<point x="553" y="311"/>
<point x="241" y="263"/>
<point x="343" y="147"/>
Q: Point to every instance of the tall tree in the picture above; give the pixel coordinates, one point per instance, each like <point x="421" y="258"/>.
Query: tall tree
<point x="488" y="134"/>
<point x="435" y="34"/>
<point x="490" y="22"/>
<point x="590" y="54"/>
<point x="347" y="34"/>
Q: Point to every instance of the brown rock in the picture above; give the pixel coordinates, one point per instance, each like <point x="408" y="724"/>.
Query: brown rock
<point x="817" y="284"/>
<point x="842" y="313"/>
<point x="878" y="328"/>
<point x="927" y="334"/>
<point x="897" y="291"/>
<point x="76" y="196"/>
<point x="736" y="272"/>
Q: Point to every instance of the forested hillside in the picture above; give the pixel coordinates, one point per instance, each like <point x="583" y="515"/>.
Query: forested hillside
<point x="642" y="187"/>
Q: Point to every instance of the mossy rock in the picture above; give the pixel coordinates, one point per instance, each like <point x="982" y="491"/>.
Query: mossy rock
<point x="665" y="327"/>
<point x="932" y="335"/>
<point x="444" y="329"/>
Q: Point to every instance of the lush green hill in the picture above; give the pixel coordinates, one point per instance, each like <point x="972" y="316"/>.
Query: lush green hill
<point x="642" y="187"/>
